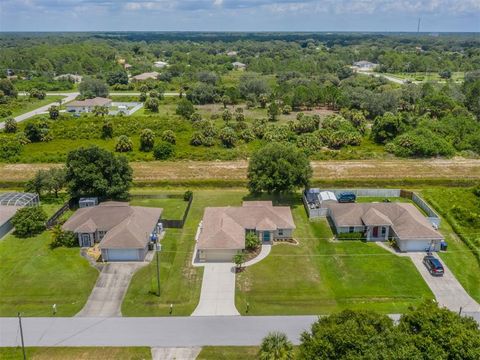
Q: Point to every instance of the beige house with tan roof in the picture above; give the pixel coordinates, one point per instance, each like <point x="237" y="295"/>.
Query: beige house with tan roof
<point x="123" y="231"/>
<point x="402" y="222"/>
<point x="87" y="105"/>
<point x="223" y="229"/>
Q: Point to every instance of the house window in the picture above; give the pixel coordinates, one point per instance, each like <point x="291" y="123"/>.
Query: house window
<point x="280" y="232"/>
<point x="384" y="231"/>
<point x="351" y="229"/>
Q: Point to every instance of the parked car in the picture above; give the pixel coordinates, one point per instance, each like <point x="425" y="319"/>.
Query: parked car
<point x="433" y="265"/>
<point x="346" y="197"/>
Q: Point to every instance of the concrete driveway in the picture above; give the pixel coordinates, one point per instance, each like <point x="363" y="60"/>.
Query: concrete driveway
<point x="107" y="295"/>
<point x="218" y="291"/>
<point x="448" y="291"/>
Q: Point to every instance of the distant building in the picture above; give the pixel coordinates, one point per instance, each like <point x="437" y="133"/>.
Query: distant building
<point x="71" y="77"/>
<point x="239" y="66"/>
<point x="81" y="106"/>
<point x="145" y="76"/>
<point x="160" y="64"/>
<point x="127" y="66"/>
<point x="232" y="53"/>
<point x="364" y="65"/>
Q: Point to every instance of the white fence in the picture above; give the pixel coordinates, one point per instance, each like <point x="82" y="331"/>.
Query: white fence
<point x="432" y="215"/>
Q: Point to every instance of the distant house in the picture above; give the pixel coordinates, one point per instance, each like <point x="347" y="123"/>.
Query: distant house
<point x="87" y="105"/>
<point x="239" y="66"/>
<point x="122" y="231"/>
<point x="160" y="64"/>
<point x="70" y="77"/>
<point x="364" y="65"/>
<point x="145" y="76"/>
<point x="223" y="229"/>
<point x="232" y="53"/>
<point x="9" y="204"/>
<point x="127" y="66"/>
<point x="402" y="222"/>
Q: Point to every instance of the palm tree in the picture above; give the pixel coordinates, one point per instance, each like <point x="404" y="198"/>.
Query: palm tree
<point x="276" y="346"/>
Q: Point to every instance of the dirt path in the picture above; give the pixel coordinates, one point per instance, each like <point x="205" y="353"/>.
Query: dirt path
<point x="236" y="170"/>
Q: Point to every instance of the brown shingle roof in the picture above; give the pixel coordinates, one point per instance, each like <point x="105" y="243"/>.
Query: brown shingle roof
<point x="146" y="76"/>
<point x="125" y="226"/>
<point x="98" y="101"/>
<point x="224" y="227"/>
<point x="407" y="221"/>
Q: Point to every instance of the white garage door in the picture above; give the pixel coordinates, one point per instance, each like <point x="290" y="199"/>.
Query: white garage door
<point x="122" y="255"/>
<point x="220" y="255"/>
<point x="415" y="245"/>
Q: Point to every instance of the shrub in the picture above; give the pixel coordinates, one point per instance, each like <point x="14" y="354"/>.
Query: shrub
<point x="195" y="117"/>
<point x="147" y="140"/>
<point x="124" y="144"/>
<point x="169" y="136"/>
<point x="29" y="221"/>
<point x="252" y="241"/>
<point x="247" y="135"/>
<point x="107" y="129"/>
<point x="9" y="148"/>
<point x="196" y="139"/>
<point x="226" y="115"/>
<point x="37" y="131"/>
<point x="62" y="238"/>
<point x="228" y="137"/>
<point x="163" y="151"/>
<point x="152" y="104"/>
<point x="185" y="108"/>
<point x="187" y="195"/>
<point x="10" y="125"/>
<point x="420" y="143"/>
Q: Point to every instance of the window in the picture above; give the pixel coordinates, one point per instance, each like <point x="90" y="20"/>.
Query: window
<point x="351" y="229"/>
<point x="384" y="231"/>
<point x="280" y="232"/>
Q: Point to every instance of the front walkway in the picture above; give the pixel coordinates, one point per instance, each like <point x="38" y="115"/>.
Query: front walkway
<point x="266" y="248"/>
<point x="447" y="290"/>
<point x="218" y="291"/>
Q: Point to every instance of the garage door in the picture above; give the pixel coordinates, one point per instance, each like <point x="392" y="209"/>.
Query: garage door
<point x="121" y="255"/>
<point x="219" y="255"/>
<point x="414" y="245"/>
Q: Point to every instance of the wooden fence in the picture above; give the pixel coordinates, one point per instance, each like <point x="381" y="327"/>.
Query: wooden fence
<point x="54" y="218"/>
<point x="177" y="224"/>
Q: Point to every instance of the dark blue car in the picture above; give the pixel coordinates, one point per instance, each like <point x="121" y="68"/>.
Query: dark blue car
<point x="433" y="265"/>
<point x="346" y="197"/>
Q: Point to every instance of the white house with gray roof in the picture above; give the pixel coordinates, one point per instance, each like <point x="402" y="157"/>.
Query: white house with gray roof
<point x="223" y="229"/>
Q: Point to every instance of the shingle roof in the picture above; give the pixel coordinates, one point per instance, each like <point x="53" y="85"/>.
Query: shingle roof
<point x="126" y="226"/>
<point x="407" y="221"/>
<point x="224" y="227"/>
<point x="146" y="76"/>
<point x="98" y="101"/>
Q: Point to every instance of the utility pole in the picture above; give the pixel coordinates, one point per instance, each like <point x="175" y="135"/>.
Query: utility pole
<point x="21" y="336"/>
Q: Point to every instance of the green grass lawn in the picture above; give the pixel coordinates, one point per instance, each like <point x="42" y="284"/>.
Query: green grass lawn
<point x="75" y="353"/>
<point x="228" y="353"/>
<point x="173" y="208"/>
<point x="459" y="257"/>
<point x="25" y="104"/>
<point x="320" y="276"/>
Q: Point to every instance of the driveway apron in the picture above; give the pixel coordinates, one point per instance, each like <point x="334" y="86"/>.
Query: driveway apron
<point x="218" y="291"/>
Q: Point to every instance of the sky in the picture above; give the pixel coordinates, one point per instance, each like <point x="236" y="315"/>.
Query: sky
<point x="240" y="15"/>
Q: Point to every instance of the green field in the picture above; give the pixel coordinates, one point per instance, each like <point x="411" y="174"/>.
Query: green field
<point x="75" y="353"/>
<point x="228" y="353"/>
<point x="173" y="208"/>
<point x="34" y="277"/>
<point x="24" y="104"/>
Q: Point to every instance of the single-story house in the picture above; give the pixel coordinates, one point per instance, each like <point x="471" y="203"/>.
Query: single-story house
<point x="9" y="204"/>
<point x="70" y="77"/>
<point x="232" y="53"/>
<point x="160" y="64"/>
<point x="364" y="65"/>
<point x="87" y="105"/>
<point x="239" y="66"/>
<point x="223" y="229"/>
<point x="123" y="231"/>
<point x="402" y="222"/>
<point x="145" y="76"/>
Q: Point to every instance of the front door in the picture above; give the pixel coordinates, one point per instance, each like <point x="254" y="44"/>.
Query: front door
<point x="375" y="232"/>
<point x="266" y="236"/>
<point x="85" y="240"/>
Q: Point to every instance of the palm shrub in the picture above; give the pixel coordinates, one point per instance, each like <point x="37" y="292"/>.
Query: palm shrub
<point x="152" y="104"/>
<point x="252" y="241"/>
<point x="195" y="117"/>
<point x="169" y="136"/>
<point x="226" y="115"/>
<point x="54" y="112"/>
<point x="11" y="125"/>
<point x="100" y="110"/>
<point x="163" y="151"/>
<point x="276" y="346"/>
<point x="62" y="238"/>
<point x="147" y="140"/>
<point x="124" y="144"/>
<point x="247" y="135"/>
<point x="107" y="130"/>
<point x="239" y="259"/>
<point x="196" y="139"/>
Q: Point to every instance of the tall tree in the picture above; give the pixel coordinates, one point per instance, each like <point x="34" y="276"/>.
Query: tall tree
<point x="276" y="346"/>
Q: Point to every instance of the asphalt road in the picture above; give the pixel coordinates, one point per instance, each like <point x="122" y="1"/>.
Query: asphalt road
<point x="155" y="332"/>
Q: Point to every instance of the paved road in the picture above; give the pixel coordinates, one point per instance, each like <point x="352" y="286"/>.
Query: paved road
<point x="107" y="296"/>
<point x="447" y="290"/>
<point x="218" y="291"/>
<point x="115" y="93"/>
<point x="154" y="332"/>
<point x="390" y="78"/>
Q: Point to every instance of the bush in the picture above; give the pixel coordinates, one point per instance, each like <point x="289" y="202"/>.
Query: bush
<point x="351" y="236"/>
<point x="9" y="148"/>
<point x="152" y="104"/>
<point x="37" y="131"/>
<point x="228" y="137"/>
<point x="29" y="221"/>
<point x="196" y="139"/>
<point x="420" y="143"/>
<point x="54" y="112"/>
<point x="62" y="238"/>
<point x="11" y="125"/>
<point x="252" y="241"/>
<point x="124" y="144"/>
<point x="107" y="129"/>
<point x="147" y="140"/>
<point x="187" y="195"/>
<point x="163" y="151"/>
<point x="195" y="117"/>
<point x="185" y="109"/>
<point x="247" y="135"/>
<point x="169" y="136"/>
